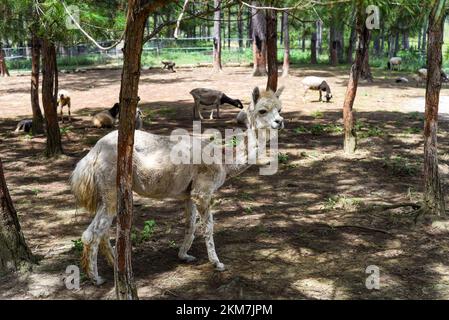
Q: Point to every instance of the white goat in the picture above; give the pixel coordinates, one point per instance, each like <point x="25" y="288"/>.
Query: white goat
<point x="93" y="181"/>
<point x="212" y="99"/>
<point x="394" y="62"/>
<point x="317" y="84"/>
<point x="64" y="100"/>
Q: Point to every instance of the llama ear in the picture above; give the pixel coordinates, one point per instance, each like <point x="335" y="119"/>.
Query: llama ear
<point x="256" y="94"/>
<point x="279" y="91"/>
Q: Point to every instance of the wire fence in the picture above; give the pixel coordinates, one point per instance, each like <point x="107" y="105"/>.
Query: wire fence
<point x="184" y="51"/>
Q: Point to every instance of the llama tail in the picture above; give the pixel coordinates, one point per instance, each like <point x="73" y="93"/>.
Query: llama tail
<point x="83" y="182"/>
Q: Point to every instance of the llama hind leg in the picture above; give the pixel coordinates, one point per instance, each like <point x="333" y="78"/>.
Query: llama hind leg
<point x="190" y="224"/>
<point x="91" y="239"/>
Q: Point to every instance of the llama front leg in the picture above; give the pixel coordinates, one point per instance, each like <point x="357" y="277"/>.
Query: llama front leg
<point x="106" y="249"/>
<point x="209" y="237"/>
<point x="190" y="224"/>
<point x="91" y="239"/>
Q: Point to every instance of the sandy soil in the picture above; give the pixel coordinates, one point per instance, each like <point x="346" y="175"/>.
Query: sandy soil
<point x="309" y="232"/>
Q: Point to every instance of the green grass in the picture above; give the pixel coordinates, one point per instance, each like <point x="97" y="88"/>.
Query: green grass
<point x="400" y="166"/>
<point x="137" y="237"/>
<point x="78" y="245"/>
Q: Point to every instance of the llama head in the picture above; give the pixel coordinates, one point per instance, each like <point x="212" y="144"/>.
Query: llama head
<point x="264" y="110"/>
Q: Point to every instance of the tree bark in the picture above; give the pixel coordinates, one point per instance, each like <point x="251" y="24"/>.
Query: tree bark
<point x="229" y="28"/>
<point x="363" y="34"/>
<point x="217" y="37"/>
<point x="259" y="42"/>
<point x="38" y="119"/>
<point x="272" y="81"/>
<point x="313" y="49"/>
<point x="49" y="92"/>
<point x="333" y="44"/>
<point x="13" y="248"/>
<point x="434" y="201"/>
<point x="3" y="68"/>
<point x="366" y="69"/>
<point x="349" y="55"/>
<point x="138" y="11"/>
<point x="286" y="64"/>
<point x="240" y="27"/>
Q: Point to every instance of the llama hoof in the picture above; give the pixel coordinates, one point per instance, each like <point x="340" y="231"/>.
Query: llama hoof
<point x="187" y="258"/>
<point x="220" y="266"/>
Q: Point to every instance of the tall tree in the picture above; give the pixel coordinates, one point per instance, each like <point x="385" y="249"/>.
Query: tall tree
<point x="49" y="97"/>
<point x="313" y="48"/>
<point x="259" y="29"/>
<point x="217" y="36"/>
<point x="286" y="64"/>
<point x="13" y="249"/>
<point x="138" y="11"/>
<point x="272" y="81"/>
<point x="3" y="68"/>
<point x="434" y="201"/>
<point x="38" y="119"/>
<point x="363" y="34"/>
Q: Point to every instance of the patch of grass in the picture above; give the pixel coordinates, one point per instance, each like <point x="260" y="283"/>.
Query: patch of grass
<point x="172" y="244"/>
<point x="342" y="202"/>
<point x="283" y="158"/>
<point x="137" y="237"/>
<point x="261" y="229"/>
<point x="246" y="196"/>
<point x="166" y="112"/>
<point x="317" y="114"/>
<point x="248" y="210"/>
<point x="77" y="245"/>
<point x="65" y="130"/>
<point x="36" y="191"/>
<point x="300" y="130"/>
<point x="317" y="129"/>
<point x="400" y="166"/>
<point x="365" y="131"/>
<point x="412" y="130"/>
<point x="415" y="116"/>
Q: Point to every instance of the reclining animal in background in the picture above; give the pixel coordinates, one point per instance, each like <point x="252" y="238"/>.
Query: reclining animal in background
<point x="421" y="76"/>
<point x="394" y="62"/>
<point x="211" y="99"/>
<point x="64" y="100"/>
<point x="93" y="181"/>
<point x="316" y="84"/>
<point x="169" y="65"/>
<point x="107" y="118"/>
<point x="24" y="126"/>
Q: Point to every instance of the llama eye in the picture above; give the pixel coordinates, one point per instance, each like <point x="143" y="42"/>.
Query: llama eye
<point x="262" y="111"/>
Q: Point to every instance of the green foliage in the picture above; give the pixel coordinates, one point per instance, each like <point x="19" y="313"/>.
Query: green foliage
<point x="317" y="114"/>
<point x="77" y="245"/>
<point x="137" y="237"/>
<point x="400" y="166"/>
<point x="283" y="158"/>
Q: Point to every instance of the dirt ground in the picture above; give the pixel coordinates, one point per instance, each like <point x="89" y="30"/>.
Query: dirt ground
<point x="308" y="232"/>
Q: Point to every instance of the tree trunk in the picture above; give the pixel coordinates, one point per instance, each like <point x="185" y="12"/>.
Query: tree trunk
<point x="240" y="28"/>
<point x="419" y="39"/>
<point x="350" y="140"/>
<point x="217" y="37"/>
<point x="229" y="28"/>
<point x="54" y="146"/>
<point x="424" y="35"/>
<point x="249" y="27"/>
<point x="259" y="42"/>
<point x="3" y="68"/>
<point x="272" y="81"/>
<point x="434" y="201"/>
<point x="38" y="119"/>
<point x="313" y="57"/>
<point x="366" y="69"/>
<point x="13" y="249"/>
<point x="319" y="36"/>
<point x="286" y="64"/>
<point x="405" y="40"/>
<point x="352" y="35"/>
<point x="333" y="45"/>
